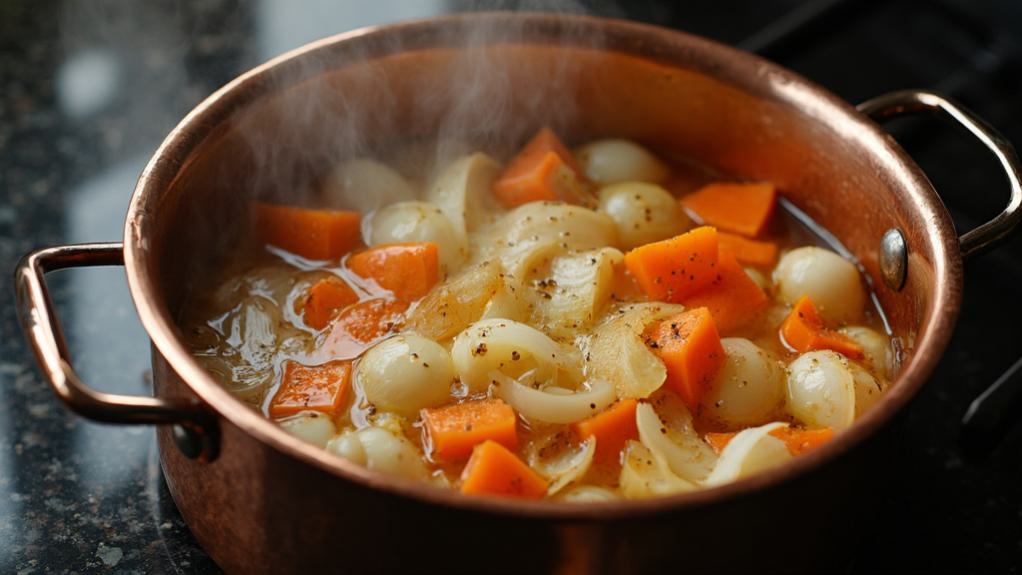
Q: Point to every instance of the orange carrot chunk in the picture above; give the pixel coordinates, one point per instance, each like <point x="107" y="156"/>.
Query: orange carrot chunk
<point x="690" y="348"/>
<point x="325" y="299"/>
<point x="321" y="388"/>
<point x="543" y="171"/>
<point x="312" y="234"/>
<point x="741" y="208"/>
<point x="803" y="330"/>
<point x="493" y="470"/>
<point x="362" y="324"/>
<point x="733" y="298"/>
<point x="408" y="270"/>
<point x="749" y="252"/>
<point x="798" y="441"/>
<point x="453" y="431"/>
<point x="673" y="269"/>
<point x="612" y="427"/>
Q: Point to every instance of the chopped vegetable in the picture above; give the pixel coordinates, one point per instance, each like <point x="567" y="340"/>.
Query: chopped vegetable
<point x="690" y="348"/>
<point x="733" y="298"/>
<point x="741" y="208"/>
<point x="611" y="427"/>
<point x="543" y="171"/>
<point x="361" y="324"/>
<point x="322" y="388"/>
<point x="325" y="298"/>
<point x="797" y="440"/>
<point x="674" y="269"/>
<point x="803" y="330"/>
<point x="493" y="470"/>
<point x="453" y="431"/>
<point x="408" y="270"/>
<point x="749" y="252"/>
<point x="312" y="234"/>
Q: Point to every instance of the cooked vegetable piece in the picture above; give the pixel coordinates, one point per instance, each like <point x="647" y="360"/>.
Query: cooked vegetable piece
<point x="797" y="440"/>
<point x="733" y="298"/>
<point x="543" y="170"/>
<point x="453" y="431"/>
<point x="674" y="269"/>
<point x="408" y="270"/>
<point x="406" y="373"/>
<point x="326" y="297"/>
<point x="736" y="207"/>
<point x="615" y="160"/>
<point x="749" y="252"/>
<point x="803" y="330"/>
<point x="493" y="470"/>
<point x="322" y="388"/>
<point x="690" y="348"/>
<point x="312" y="234"/>
<point x="361" y="324"/>
<point x="611" y="427"/>
<point x="833" y="282"/>
<point x="749" y="387"/>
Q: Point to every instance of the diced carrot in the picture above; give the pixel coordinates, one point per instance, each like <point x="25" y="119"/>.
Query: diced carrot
<point x="361" y="324"/>
<point x="325" y="298"/>
<point x="612" y="427"/>
<point x="544" y="170"/>
<point x="493" y="470"/>
<point x="321" y="388"/>
<point x="312" y="234"/>
<point x="801" y="441"/>
<point x="803" y="330"/>
<point x="673" y="269"/>
<point x="733" y="298"/>
<point x="408" y="270"/>
<point x="749" y="252"/>
<point x="690" y="348"/>
<point x="741" y="208"/>
<point x="798" y="441"/>
<point x="451" y="432"/>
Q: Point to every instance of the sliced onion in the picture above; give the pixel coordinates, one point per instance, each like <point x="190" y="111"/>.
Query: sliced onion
<point x="512" y="348"/>
<point x="618" y="354"/>
<point x="586" y="494"/>
<point x="550" y="406"/>
<point x="644" y="475"/>
<point x="560" y="461"/>
<point x="751" y="451"/>
<point x="682" y="451"/>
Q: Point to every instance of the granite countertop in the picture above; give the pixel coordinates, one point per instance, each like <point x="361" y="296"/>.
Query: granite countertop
<point x="89" y="91"/>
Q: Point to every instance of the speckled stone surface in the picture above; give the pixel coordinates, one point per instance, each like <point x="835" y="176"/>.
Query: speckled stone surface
<point x="90" y="88"/>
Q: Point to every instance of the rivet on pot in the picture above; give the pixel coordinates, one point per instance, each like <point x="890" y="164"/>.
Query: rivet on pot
<point x="893" y="259"/>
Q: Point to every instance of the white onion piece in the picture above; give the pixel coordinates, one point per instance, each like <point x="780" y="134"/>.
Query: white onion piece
<point x="617" y="353"/>
<point x="462" y="191"/>
<point x="821" y="390"/>
<point x="749" y="452"/>
<point x="876" y="347"/>
<point x="552" y="406"/>
<point x="453" y="305"/>
<point x="867" y="388"/>
<point x="391" y="454"/>
<point x="348" y="446"/>
<point x="404" y="222"/>
<point x="832" y="282"/>
<point x="644" y="213"/>
<point x="683" y="452"/>
<point x="644" y="475"/>
<point x="363" y="185"/>
<point x="748" y="389"/>
<point x="406" y="373"/>
<point x="586" y="494"/>
<point x="545" y="230"/>
<point x="511" y="348"/>
<point x="311" y="426"/>
<point x="563" y="466"/>
<point x="617" y="160"/>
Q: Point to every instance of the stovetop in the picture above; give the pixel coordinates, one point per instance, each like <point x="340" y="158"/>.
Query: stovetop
<point x="90" y="89"/>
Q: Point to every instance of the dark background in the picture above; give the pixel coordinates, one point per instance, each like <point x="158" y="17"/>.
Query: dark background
<point x="89" y="89"/>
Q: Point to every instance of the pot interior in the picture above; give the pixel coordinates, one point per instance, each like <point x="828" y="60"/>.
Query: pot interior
<point x="272" y="133"/>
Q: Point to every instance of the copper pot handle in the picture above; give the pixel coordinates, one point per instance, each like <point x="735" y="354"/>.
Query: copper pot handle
<point x="195" y="428"/>
<point x="910" y="102"/>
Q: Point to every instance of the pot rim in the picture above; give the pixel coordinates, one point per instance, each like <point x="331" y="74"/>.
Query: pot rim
<point x="741" y="69"/>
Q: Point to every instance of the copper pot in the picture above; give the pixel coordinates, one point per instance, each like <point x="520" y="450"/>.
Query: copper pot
<point x="259" y="500"/>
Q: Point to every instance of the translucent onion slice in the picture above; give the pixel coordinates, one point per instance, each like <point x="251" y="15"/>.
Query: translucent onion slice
<point x="682" y="451"/>
<point x="552" y="406"/>
<point x="749" y="452"/>
<point x="462" y="191"/>
<point x="617" y="353"/>
<point x="643" y="475"/>
<point x="560" y="461"/>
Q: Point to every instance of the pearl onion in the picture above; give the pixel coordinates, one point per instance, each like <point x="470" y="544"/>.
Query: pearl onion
<point x="832" y="282"/>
